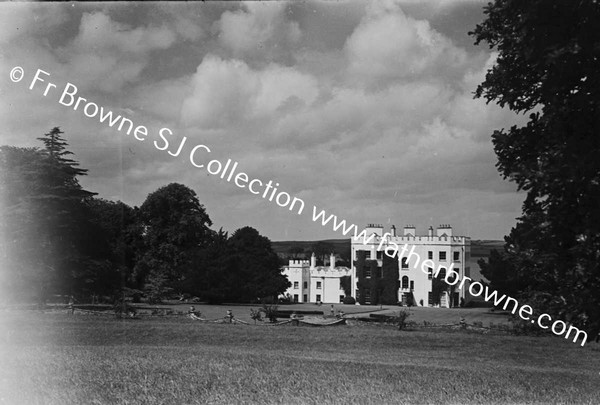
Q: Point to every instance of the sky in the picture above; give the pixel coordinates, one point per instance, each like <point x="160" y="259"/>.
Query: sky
<point x="363" y="109"/>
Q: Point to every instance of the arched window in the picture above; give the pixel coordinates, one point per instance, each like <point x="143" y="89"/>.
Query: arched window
<point x="405" y="282"/>
<point x="443" y="273"/>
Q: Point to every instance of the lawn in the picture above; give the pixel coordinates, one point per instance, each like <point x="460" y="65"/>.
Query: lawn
<point x="56" y="358"/>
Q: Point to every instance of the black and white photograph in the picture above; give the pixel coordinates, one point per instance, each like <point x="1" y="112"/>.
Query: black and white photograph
<point x="300" y="202"/>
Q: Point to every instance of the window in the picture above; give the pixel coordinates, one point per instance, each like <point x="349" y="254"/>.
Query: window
<point x="296" y="285"/>
<point x="305" y="298"/>
<point x="405" y="282"/>
<point x="305" y="285"/>
<point x="442" y="273"/>
<point x="295" y="297"/>
<point x="341" y="285"/>
<point x="442" y="256"/>
<point x="404" y="263"/>
<point x="318" y="287"/>
<point x="318" y="297"/>
<point x="341" y="299"/>
<point x="430" y="298"/>
<point x="412" y="284"/>
<point x="367" y="254"/>
<point x="379" y="254"/>
<point x="429" y="273"/>
<point x="368" y="271"/>
<point x="430" y="255"/>
<point x="456" y="256"/>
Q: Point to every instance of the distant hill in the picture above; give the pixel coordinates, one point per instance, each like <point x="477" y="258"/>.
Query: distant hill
<point x="282" y="248"/>
<point x="479" y="248"/>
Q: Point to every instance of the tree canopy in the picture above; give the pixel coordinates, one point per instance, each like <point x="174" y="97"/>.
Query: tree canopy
<point x="548" y="66"/>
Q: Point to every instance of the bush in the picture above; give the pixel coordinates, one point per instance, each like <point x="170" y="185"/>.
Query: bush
<point x="349" y="300"/>
<point x="123" y="309"/>
<point x="523" y="327"/>
<point x="270" y="311"/>
<point x="256" y="315"/>
<point x="399" y="318"/>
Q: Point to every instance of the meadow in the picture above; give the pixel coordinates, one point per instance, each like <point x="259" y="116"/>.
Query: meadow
<point x="58" y="358"/>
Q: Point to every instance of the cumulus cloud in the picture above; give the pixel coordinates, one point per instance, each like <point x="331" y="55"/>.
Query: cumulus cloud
<point x="226" y="92"/>
<point x="378" y="124"/>
<point x="388" y="45"/>
<point x="258" y="30"/>
<point x="111" y="55"/>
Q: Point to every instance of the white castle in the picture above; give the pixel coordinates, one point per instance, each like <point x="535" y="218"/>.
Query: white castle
<point x="420" y="259"/>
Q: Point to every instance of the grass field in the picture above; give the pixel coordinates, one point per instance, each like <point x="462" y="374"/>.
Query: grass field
<point x="56" y="358"/>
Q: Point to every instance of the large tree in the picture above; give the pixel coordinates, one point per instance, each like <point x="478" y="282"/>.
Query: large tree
<point x="548" y="66"/>
<point x="174" y="225"/>
<point x="119" y="225"/>
<point x="49" y="242"/>
<point x="258" y="273"/>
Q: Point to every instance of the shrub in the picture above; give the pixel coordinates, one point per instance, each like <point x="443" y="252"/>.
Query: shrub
<point x="122" y="309"/>
<point x="399" y="318"/>
<point x="256" y="315"/>
<point x="523" y="327"/>
<point x="270" y="311"/>
<point x="349" y="300"/>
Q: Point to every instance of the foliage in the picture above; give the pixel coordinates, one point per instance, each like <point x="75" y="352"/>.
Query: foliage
<point x="175" y="225"/>
<point x="438" y="287"/>
<point x="346" y="283"/>
<point x="296" y="252"/>
<point x="322" y="250"/>
<point x="256" y="315"/>
<point x="270" y="311"/>
<point x="122" y="308"/>
<point x="240" y="268"/>
<point x="257" y="272"/>
<point x="390" y="280"/>
<point x="548" y="66"/>
<point x="359" y="265"/>
<point x="399" y="318"/>
<point x="503" y="276"/>
<point x="348" y="300"/>
<point x="49" y="242"/>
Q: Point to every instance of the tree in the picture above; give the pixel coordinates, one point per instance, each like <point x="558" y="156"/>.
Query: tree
<point x="174" y="224"/>
<point x="296" y="252"/>
<point x="258" y="272"/>
<point x="212" y="275"/>
<point x="346" y="284"/>
<point x="322" y="250"/>
<point x="548" y="66"/>
<point x="502" y="275"/>
<point x="120" y="226"/>
<point x="48" y="240"/>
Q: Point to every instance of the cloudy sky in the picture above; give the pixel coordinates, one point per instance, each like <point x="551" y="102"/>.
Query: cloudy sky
<point x="362" y="109"/>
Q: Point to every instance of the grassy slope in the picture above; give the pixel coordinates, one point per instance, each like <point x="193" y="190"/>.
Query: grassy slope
<point x="62" y="359"/>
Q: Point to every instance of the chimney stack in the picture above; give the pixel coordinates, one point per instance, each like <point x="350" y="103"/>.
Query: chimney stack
<point x="393" y="230"/>
<point x="332" y="261"/>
